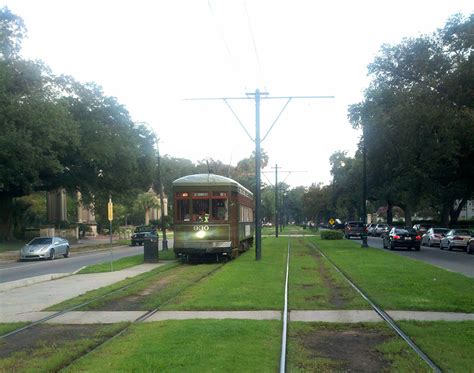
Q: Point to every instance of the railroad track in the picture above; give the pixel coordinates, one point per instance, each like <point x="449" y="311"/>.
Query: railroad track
<point x="142" y="318"/>
<point x="392" y="324"/>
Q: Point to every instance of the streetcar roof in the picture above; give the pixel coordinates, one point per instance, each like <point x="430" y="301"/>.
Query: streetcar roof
<point x="208" y="180"/>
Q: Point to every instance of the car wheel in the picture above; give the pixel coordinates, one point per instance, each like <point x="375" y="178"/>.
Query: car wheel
<point x="392" y="246"/>
<point x="450" y="248"/>
<point x="134" y="243"/>
<point x="429" y="243"/>
<point x="469" y="249"/>
<point x="66" y="254"/>
<point x="441" y="245"/>
<point x="52" y="254"/>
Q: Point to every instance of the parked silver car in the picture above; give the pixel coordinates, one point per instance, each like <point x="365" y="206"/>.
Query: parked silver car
<point x="381" y="229"/>
<point x="45" y="248"/>
<point x="455" y="238"/>
<point x="433" y="236"/>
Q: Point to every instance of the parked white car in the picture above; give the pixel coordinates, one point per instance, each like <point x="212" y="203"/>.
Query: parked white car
<point x="433" y="236"/>
<point x="455" y="238"/>
<point x="45" y="248"/>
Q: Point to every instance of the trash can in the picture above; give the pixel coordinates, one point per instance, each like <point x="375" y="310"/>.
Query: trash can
<point x="150" y="249"/>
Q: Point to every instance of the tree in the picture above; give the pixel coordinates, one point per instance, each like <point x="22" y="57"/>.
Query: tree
<point x="56" y="133"/>
<point x="418" y="120"/>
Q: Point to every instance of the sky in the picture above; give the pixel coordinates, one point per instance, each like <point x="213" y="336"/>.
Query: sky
<point x="154" y="55"/>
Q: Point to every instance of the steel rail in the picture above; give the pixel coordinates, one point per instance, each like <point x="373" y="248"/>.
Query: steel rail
<point x="285" y="315"/>
<point x="73" y="308"/>
<point x="384" y="316"/>
<point x="141" y="318"/>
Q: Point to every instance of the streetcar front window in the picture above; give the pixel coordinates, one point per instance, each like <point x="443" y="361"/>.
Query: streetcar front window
<point x="183" y="210"/>
<point x="219" y="210"/>
<point x="201" y="210"/>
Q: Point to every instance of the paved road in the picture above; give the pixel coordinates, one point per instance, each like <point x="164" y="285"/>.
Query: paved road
<point x="21" y="270"/>
<point x="456" y="260"/>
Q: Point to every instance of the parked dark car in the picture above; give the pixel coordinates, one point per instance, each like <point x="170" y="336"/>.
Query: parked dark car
<point x="433" y="236"/>
<point x="470" y="246"/>
<point x="354" y="229"/>
<point x="142" y="233"/>
<point x="402" y="237"/>
<point x="456" y="238"/>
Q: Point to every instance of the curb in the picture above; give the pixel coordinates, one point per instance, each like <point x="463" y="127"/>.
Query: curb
<point x="31" y="281"/>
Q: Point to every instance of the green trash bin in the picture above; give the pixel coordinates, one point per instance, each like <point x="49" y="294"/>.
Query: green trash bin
<point x="150" y="249"/>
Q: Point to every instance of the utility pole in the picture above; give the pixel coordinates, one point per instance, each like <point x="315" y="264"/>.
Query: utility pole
<point x="258" y="96"/>
<point x="276" y="201"/>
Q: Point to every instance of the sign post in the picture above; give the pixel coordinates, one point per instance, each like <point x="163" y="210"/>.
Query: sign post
<point x="110" y="215"/>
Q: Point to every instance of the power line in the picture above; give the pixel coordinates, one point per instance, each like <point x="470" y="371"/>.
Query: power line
<point x="254" y="43"/>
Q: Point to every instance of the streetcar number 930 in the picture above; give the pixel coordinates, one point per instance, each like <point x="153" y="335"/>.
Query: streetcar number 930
<point x="203" y="228"/>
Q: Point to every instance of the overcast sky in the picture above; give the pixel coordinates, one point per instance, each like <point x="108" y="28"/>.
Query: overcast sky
<point x="152" y="55"/>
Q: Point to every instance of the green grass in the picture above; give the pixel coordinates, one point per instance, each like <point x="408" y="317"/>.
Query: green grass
<point x="449" y="344"/>
<point x="315" y="284"/>
<point x="159" y="289"/>
<point x="303" y="356"/>
<point x="398" y="283"/>
<point x="53" y="354"/>
<point x="122" y="263"/>
<point x="9" y="327"/>
<point x="148" y="276"/>
<point x="190" y="346"/>
<point x="242" y="284"/>
<point x="11" y="246"/>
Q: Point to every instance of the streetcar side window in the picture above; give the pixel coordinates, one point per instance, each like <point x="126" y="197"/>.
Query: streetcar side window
<point x="246" y="214"/>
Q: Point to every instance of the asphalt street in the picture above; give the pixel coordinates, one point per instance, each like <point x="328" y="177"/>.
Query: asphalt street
<point x="456" y="260"/>
<point x="13" y="271"/>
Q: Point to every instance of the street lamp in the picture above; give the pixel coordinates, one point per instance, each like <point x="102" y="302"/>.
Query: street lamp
<point x="364" y="187"/>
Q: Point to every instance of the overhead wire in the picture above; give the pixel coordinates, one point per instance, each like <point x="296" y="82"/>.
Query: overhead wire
<point x="260" y="70"/>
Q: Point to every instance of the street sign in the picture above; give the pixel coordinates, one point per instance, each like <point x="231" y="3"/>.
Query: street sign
<point x="331" y="221"/>
<point x="110" y="210"/>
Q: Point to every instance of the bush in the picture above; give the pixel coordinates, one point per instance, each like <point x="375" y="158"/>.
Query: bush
<point x="331" y="235"/>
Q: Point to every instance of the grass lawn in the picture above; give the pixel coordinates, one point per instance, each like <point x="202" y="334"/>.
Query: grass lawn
<point x="315" y="284"/>
<point x="11" y="246"/>
<point x="9" y="327"/>
<point x="58" y="346"/>
<point x="398" y="283"/>
<point x="242" y="284"/>
<point x="190" y="346"/>
<point x="127" y="262"/>
<point x="373" y="347"/>
<point x="449" y="344"/>
<point x="148" y="276"/>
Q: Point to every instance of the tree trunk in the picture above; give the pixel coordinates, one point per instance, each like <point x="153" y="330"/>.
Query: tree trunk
<point x="147" y="216"/>
<point x="389" y="213"/>
<point x="445" y="213"/>
<point x="6" y="217"/>
<point x="455" y="212"/>
<point x="408" y="215"/>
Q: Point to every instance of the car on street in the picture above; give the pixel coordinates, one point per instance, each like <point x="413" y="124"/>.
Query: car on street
<point x="470" y="246"/>
<point x="45" y="248"/>
<point x="354" y="229"/>
<point x="380" y="229"/>
<point x="456" y="239"/>
<point x="421" y="229"/>
<point x="370" y="229"/>
<point x="433" y="236"/>
<point x="142" y="233"/>
<point x="402" y="237"/>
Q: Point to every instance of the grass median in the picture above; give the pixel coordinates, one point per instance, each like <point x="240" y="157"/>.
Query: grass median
<point x="242" y="284"/>
<point x="190" y="346"/>
<point x="123" y="263"/>
<point x="398" y="283"/>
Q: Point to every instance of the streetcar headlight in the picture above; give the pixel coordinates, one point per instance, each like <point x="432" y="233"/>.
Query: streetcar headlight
<point x="200" y="234"/>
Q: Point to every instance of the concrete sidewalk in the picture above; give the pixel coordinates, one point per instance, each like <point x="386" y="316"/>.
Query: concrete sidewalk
<point x="38" y="296"/>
